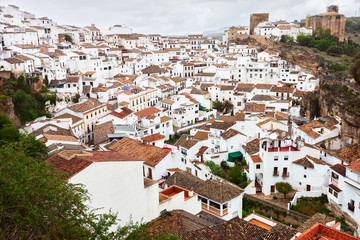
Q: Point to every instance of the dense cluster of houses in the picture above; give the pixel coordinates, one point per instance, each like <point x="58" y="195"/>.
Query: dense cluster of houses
<point x="135" y="92"/>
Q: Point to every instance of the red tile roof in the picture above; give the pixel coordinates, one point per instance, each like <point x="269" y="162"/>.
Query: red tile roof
<point x="152" y="155"/>
<point x="148" y="111"/>
<point x="124" y="113"/>
<point x="256" y="158"/>
<point x="153" y="137"/>
<point x="326" y="233"/>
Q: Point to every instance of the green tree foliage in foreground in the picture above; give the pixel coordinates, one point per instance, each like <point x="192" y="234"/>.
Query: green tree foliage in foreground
<point x="355" y="70"/>
<point x="28" y="104"/>
<point x="283" y="187"/>
<point x="37" y="203"/>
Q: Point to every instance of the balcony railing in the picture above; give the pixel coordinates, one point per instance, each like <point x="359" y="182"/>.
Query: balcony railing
<point x="285" y="174"/>
<point x="275" y="174"/>
<point x="351" y="207"/>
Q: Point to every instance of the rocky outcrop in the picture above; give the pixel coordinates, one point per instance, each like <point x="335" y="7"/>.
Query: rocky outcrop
<point x="7" y="108"/>
<point x="337" y="99"/>
<point x="298" y="55"/>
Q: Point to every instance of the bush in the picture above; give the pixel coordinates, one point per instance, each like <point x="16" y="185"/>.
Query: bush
<point x="224" y="165"/>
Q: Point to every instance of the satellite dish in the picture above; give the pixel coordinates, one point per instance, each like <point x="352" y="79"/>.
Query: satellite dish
<point x="283" y="134"/>
<point x="301" y="144"/>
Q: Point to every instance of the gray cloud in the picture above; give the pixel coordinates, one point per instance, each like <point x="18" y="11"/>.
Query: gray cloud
<point x="174" y="17"/>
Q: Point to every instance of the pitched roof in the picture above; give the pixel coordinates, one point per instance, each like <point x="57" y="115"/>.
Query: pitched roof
<point x="355" y="166"/>
<point x="349" y="154"/>
<point x="72" y="79"/>
<point x="221" y="125"/>
<point x="184" y="180"/>
<point x="254" y="107"/>
<point x="186" y="141"/>
<point x="124" y="113"/>
<point x="101" y="132"/>
<point x="230" y="133"/>
<point x="74" y="118"/>
<point x="339" y="168"/>
<point x="316" y="218"/>
<point x="202" y="150"/>
<point x="256" y="158"/>
<point x="218" y="191"/>
<point x="153" y="69"/>
<point x="176" y="222"/>
<point x="151" y="154"/>
<point x="282" y="89"/>
<point x="85" y="106"/>
<point x="147" y="111"/>
<point x="201" y="135"/>
<point x="252" y="147"/>
<point x="74" y="161"/>
<point x="153" y="137"/>
<point x="262" y="98"/>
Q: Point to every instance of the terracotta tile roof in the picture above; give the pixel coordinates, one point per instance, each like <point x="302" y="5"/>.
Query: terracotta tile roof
<point x="325" y="232"/>
<point x="304" y="162"/>
<point x="52" y="130"/>
<point x="165" y="119"/>
<point x="223" y="125"/>
<point x="298" y="93"/>
<point x="256" y="158"/>
<point x="153" y="69"/>
<point x="263" y="86"/>
<point x="254" y="107"/>
<point x="202" y="150"/>
<point x="74" y="118"/>
<point x="71" y="167"/>
<point x="245" y="87"/>
<point x="226" y="88"/>
<point x="252" y="147"/>
<point x="281" y="116"/>
<point x="235" y="228"/>
<point x="349" y="154"/>
<point x="184" y="180"/>
<point x="237" y="117"/>
<point x="186" y="141"/>
<point x="124" y="113"/>
<point x="147" y="111"/>
<point x="218" y="191"/>
<point x="201" y="135"/>
<point x="307" y="128"/>
<point x="152" y="155"/>
<point x="205" y="74"/>
<point x="230" y="133"/>
<point x="339" y="168"/>
<point x="262" y="98"/>
<point x="65" y="138"/>
<point x="85" y="106"/>
<point x="197" y="91"/>
<point x="153" y="137"/>
<point x="101" y="131"/>
<point x="176" y="222"/>
<point x="282" y="89"/>
<point x="355" y="166"/>
<point x="72" y="79"/>
<point x="316" y="218"/>
<point x="168" y="101"/>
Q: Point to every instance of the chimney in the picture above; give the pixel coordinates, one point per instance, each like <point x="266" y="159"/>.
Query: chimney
<point x="191" y="192"/>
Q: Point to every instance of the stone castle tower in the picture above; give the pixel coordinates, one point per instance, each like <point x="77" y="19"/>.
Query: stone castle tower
<point x="332" y="20"/>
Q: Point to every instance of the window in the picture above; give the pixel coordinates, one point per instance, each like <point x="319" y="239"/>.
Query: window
<point x="304" y="176"/>
<point x="330" y="190"/>
<point x="305" y="168"/>
<point x="257" y="166"/>
<point x="276" y="158"/>
<point x="286" y="158"/>
<point x="335" y="194"/>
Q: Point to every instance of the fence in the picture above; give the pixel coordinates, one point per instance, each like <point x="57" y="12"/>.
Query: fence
<point x="304" y="194"/>
<point x="297" y="217"/>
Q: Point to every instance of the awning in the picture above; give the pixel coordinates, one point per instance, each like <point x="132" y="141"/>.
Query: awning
<point x="235" y="155"/>
<point x="201" y="107"/>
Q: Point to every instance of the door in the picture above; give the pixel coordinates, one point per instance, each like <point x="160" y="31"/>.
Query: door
<point x="272" y="189"/>
<point x="150" y="173"/>
<point x="308" y="188"/>
<point x="285" y="173"/>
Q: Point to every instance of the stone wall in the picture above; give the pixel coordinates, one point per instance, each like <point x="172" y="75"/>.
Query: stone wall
<point x="331" y="20"/>
<point x="257" y="18"/>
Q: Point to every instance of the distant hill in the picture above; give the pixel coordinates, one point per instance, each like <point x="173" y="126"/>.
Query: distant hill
<point x="353" y="28"/>
<point x="217" y="33"/>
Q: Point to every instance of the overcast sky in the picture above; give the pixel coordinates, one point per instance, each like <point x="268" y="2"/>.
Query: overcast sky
<point x="175" y="16"/>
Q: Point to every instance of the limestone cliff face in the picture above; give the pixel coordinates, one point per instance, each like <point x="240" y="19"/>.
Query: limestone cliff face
<point x="328" y="102"/>
<point x="7" y="107"/>
<point x="297" y="55"/>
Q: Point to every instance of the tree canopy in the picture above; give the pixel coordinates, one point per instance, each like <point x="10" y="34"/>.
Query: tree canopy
<point x="283" y="187"/>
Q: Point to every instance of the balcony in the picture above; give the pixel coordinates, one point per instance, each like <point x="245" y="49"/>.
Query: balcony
<point x="285" y="174"/>
<point x="275" y="174"/>
<point x="282" y="149"/>
<point x="351" y="207"/>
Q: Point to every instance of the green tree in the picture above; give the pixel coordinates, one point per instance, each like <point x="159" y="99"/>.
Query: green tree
<point x="335" y="50"/>
<point x="227" y="106"/>
<point x="283" y="187"/>
<point x="237" y="176"/>
<point x="218" y="106"/>
<point x="215" y="169"/>
<point x="355" y="70"/>
<point x="68" y="38"/>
